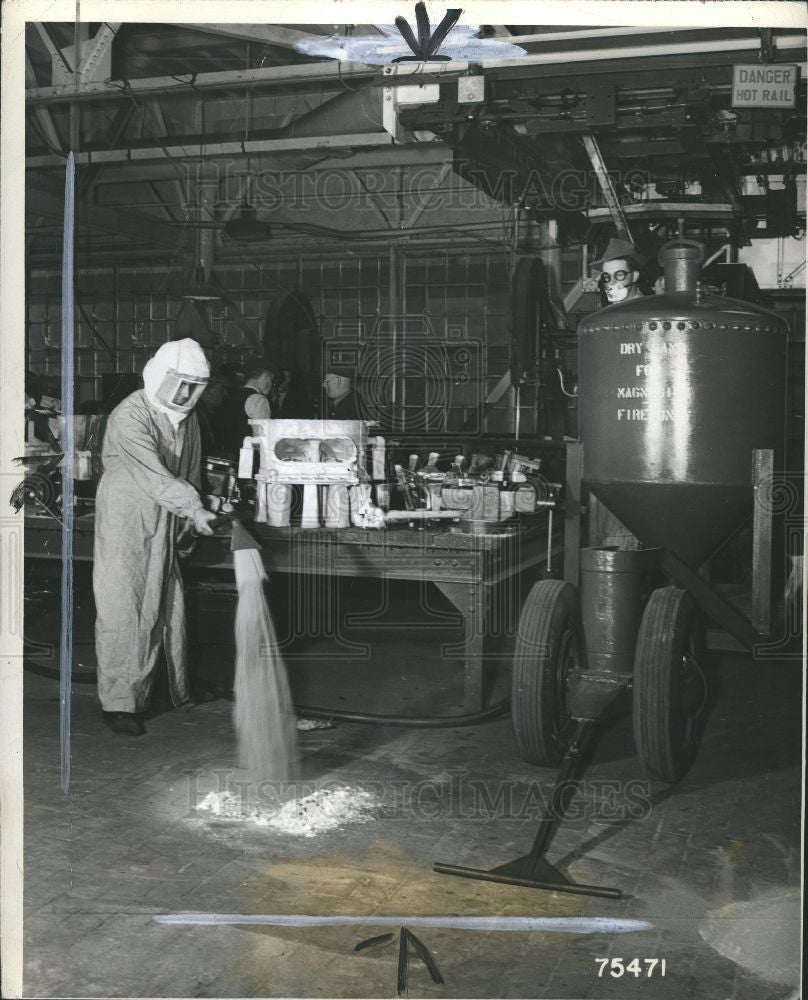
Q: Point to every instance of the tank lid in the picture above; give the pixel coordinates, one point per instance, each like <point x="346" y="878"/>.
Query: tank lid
<point x="681" y="260"/>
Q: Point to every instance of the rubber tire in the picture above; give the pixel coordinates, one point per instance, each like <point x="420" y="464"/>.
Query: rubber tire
<point x="549" y="628"/>
<point x="666" y="734"/>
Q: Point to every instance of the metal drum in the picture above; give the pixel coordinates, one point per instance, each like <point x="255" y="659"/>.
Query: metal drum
<point x="677" y="390"/>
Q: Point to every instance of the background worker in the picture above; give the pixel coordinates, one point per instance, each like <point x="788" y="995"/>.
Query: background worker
<point x="290" y="398"/>
<point x="233" y="374"/>
<point x="341" y="401"/>
<point x="209" y="417"/>
<point x="619" y="272"/>
<point x="148" y="494"/>
<point x="246" y="403"/>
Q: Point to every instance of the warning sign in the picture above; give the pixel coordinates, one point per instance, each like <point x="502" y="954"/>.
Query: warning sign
<point x="764" y="86"/>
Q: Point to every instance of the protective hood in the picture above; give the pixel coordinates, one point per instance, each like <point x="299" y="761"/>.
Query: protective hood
<point x="175" y="378"/>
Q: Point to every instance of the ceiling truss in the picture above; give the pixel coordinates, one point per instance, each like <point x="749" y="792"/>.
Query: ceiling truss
<point x="135" y="141"/>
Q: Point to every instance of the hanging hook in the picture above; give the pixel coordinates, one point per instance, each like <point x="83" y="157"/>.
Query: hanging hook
<point x="766" y="53"/>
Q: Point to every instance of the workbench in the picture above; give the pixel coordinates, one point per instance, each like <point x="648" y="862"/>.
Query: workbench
<point x="468" y="569"/>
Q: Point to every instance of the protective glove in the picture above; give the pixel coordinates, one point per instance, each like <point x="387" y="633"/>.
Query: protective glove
<point x="202" y="518"/>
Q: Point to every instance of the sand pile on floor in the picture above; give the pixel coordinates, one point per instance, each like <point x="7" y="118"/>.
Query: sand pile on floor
<point x="321" y="811"/>
<point x="760" y="934"/>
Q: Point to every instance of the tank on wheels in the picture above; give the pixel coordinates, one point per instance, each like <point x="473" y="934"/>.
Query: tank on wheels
<point x="682" y="399"/>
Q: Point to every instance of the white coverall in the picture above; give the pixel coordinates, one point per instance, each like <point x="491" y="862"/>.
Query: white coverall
<point x="150" y="482"/>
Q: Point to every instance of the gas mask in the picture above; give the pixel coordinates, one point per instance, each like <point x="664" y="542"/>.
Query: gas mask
<point x="618" y="279"/>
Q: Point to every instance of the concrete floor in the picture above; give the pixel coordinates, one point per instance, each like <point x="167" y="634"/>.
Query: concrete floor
<point x="713" y="863"/>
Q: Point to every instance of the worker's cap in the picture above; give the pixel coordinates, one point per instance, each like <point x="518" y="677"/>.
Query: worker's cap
<point x="344" y="371"/>
<point x="231" y="368"/>
<point x="257" y="366"/>
<point x="233" y="372"/>
<point x="619" y="249"/>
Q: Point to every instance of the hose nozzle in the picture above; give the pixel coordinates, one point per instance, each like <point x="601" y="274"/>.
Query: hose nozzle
<point x="241" y="538"/>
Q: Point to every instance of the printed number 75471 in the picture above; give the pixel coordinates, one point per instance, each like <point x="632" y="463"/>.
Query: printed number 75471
<point x="618" y="967"/>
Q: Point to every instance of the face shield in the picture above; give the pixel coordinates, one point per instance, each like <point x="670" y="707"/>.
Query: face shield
<point x="179" y="392"/>
<point x="175" y="378"/>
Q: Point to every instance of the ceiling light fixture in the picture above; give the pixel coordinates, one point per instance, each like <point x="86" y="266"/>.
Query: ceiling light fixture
<point x="247" y="227"/>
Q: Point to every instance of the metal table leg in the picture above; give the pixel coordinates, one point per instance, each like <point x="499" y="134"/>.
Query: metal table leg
<point x="471" y="600"/>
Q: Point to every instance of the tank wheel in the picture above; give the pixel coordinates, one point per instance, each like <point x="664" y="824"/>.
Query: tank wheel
<point x="669" y="690"/>
<point x="548" y="647"/>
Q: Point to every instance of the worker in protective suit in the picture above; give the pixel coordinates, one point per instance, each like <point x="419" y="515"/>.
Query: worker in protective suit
<point x="147" y="496"/>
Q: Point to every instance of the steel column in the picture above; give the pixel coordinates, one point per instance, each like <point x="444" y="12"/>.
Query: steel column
<point x="606" y="186"/>
<point x="162" y="130"/>
<point x="471" y="600"/>
<point x="56" y="54"/>
<point x="93" y="53"/>
<point x="43" y="116"/>
<point x="762" y="540"/>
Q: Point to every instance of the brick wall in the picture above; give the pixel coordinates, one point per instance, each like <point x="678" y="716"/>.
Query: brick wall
<point x="453" y="315"/>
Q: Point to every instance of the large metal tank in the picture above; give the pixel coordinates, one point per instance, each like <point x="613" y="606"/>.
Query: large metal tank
<point x="676" y="391"/>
